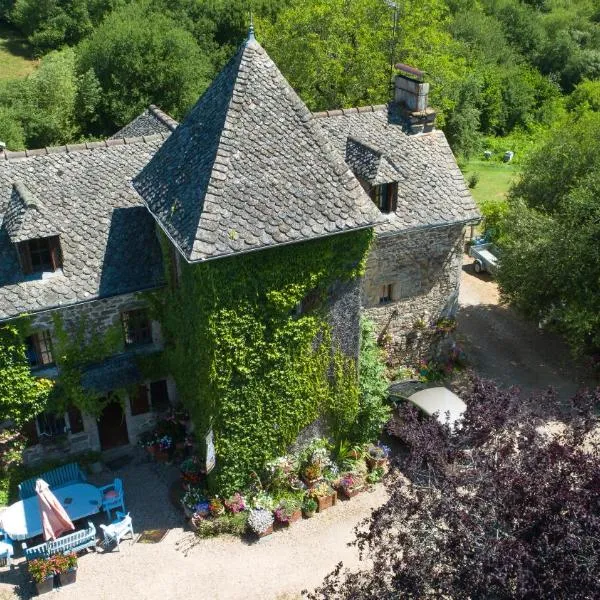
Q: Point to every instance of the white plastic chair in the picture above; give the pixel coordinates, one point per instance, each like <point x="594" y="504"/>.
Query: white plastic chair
<point x="117" y="530"/>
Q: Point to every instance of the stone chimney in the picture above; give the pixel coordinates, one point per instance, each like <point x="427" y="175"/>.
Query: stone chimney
<point x="412" y="94"/>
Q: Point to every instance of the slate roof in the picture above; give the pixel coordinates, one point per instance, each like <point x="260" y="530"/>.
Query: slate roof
<point x="115" y="372"/>
<point x="107" y="237"/>
<point x="431" y="188"/>
<point x="369" y="164"/>
<point x="26" y="216"/>
<point x="249" y="169"/>
<point x="150" y="122"/>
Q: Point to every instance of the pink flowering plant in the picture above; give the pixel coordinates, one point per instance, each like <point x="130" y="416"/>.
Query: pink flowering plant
<point x="235" y="503"/>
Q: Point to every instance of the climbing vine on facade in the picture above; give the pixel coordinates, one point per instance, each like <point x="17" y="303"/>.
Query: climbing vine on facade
<point x="253" y="361"/>
<point x="22" y="396"/>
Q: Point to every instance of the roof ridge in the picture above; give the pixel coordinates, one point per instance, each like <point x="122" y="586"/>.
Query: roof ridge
<point x="69" y="148"/>
<point x="163" y="117"/>
<point x="338" y="112"/>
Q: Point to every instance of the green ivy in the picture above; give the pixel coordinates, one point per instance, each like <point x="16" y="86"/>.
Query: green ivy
<point x="22" y="396"/>
<point x="245" y="363"/>
<point x="81" y="345"/>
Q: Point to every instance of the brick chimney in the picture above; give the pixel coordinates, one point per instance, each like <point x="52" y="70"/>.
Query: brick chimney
<point x="412" y="94"/>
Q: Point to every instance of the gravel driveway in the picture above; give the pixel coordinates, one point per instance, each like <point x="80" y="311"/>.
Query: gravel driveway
<point x="501" y="345"/>
<point x="226" y="568"/>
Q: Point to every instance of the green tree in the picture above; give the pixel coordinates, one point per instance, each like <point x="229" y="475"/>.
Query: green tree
<point x="141" y="57"/>
<point x="550" y="267"/>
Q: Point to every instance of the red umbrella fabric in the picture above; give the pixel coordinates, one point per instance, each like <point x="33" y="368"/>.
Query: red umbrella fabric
<point x="55" y="519"/>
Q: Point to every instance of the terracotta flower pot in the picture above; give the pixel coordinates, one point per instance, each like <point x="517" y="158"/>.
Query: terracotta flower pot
<point x="350" y="492"/>
<point x="374" y="463"/>
<point x="326" y="502"/>
<point x="295" y="516"/>
<point x="266" y="532"/>
<point x="161" y="456"/>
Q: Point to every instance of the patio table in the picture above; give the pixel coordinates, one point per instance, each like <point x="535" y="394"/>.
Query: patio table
<point x="22" y="520"/>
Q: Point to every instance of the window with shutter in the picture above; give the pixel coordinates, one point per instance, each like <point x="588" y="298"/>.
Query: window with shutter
<point x="40" y="255"/>
<point x="38" y="348"/>
<point x="385" y="294"/>
<point x="385" y="196"/>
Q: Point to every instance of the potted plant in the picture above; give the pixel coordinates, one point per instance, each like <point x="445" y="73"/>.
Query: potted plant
<point x="289" y="511"/>
<point x="260" y="522"/>
<point x="324" y="495"/>
<point x="42" y="571"/>
<point x="377" y="455"/>
<point x="309" y="507"/>
<point x="350" y="484"/>
<point x="192" y="499"/>
<point x="235" y="503"/>
<point x="312" y="473"/>
<point x="216" y="507"/>
<point x="65" y="565"/>
<point x="165" y="443"/>
<point x="190" y="473"/>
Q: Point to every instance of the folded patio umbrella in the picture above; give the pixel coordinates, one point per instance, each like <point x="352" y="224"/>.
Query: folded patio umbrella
<point x="55" y="519"/>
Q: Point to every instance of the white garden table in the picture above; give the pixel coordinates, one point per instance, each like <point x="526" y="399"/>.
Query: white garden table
<point x="22" y="520"/>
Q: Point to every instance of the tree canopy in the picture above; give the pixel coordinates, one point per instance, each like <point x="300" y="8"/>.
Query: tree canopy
<point x="506" y="508"/>
<point x="550" y="267"/>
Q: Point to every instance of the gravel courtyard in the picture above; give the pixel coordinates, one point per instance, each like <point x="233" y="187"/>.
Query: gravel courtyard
<point x="182" y="566"/>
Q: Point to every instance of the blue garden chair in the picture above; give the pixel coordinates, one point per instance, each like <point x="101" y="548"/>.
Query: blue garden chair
<point x="113" y="496"/>
<point x="6" y="548"/>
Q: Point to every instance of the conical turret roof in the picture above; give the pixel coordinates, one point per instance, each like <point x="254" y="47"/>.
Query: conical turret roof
<point x="249" y="168"/>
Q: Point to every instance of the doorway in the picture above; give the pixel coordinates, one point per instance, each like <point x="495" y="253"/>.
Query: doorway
<point x="112" y="427"/>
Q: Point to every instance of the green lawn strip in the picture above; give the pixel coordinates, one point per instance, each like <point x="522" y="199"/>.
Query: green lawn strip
<point x="15" y="55"/>
<point x="495" y="179"/>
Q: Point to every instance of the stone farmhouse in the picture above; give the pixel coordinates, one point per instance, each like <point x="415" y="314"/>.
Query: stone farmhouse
<point x="248" y="169"/>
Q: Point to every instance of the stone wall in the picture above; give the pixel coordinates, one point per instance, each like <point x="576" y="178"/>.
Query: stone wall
<point x="103" y="314"/>
<point x="423" y="267"/>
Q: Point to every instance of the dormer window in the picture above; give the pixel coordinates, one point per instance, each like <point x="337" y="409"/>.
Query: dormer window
<point x="40" y="255"/>
<point x="385" y="196"/>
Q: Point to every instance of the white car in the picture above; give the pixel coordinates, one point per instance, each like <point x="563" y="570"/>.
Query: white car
<point x="439" y="401"/>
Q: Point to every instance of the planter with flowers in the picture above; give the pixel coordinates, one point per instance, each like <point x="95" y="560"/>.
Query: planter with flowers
<point x="42" y="572"/>
<point x="163" y="451"/>
<point x="235" y="504"/>
<point x="216" y="507"/>
<point x="288" y="511"/>
<point x="324" y="495"/>
<point x="65" y="565"/>
<point x="377" y="456"/>
<point x="350" y="484"/>
<point x="311" y="474"/>
<point x="191" y="473"/>
<point x="260" y="522"/>
<point x="194" y="501"/>
<point x="309" y="507"/>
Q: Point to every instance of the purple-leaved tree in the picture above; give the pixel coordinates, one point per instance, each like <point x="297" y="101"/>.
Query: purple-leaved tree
<point x="506" y="508"/>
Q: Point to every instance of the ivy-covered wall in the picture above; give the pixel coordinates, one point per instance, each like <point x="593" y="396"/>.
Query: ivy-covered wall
<point x="254" y="346"/>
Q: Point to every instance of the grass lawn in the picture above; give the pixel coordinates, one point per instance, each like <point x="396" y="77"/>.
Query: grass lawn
<point x="494" y="179"/>
<point x="15" y="55"/>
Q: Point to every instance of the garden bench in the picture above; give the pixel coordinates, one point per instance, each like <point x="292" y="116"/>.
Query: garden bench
<point x="59" y="477"/>
<point x="74" y="542"/>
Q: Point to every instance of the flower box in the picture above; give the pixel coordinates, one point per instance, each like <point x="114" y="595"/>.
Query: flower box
<point x="326" y="502"/>
<point x="295" y="516"/>
<point x="68" y="577"/>
<point x="43" y="587"/>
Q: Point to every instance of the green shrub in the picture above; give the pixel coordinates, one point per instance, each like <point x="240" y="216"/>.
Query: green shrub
<point x="234" y="524"/>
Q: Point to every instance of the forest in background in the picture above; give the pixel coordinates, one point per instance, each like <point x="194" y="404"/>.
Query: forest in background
<point x="520" y="75"/>
<point x="496" y="67"/>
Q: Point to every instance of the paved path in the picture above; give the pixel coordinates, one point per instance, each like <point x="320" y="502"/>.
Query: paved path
<point x="225" y="568"/>
<point x="501" y="345"/>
